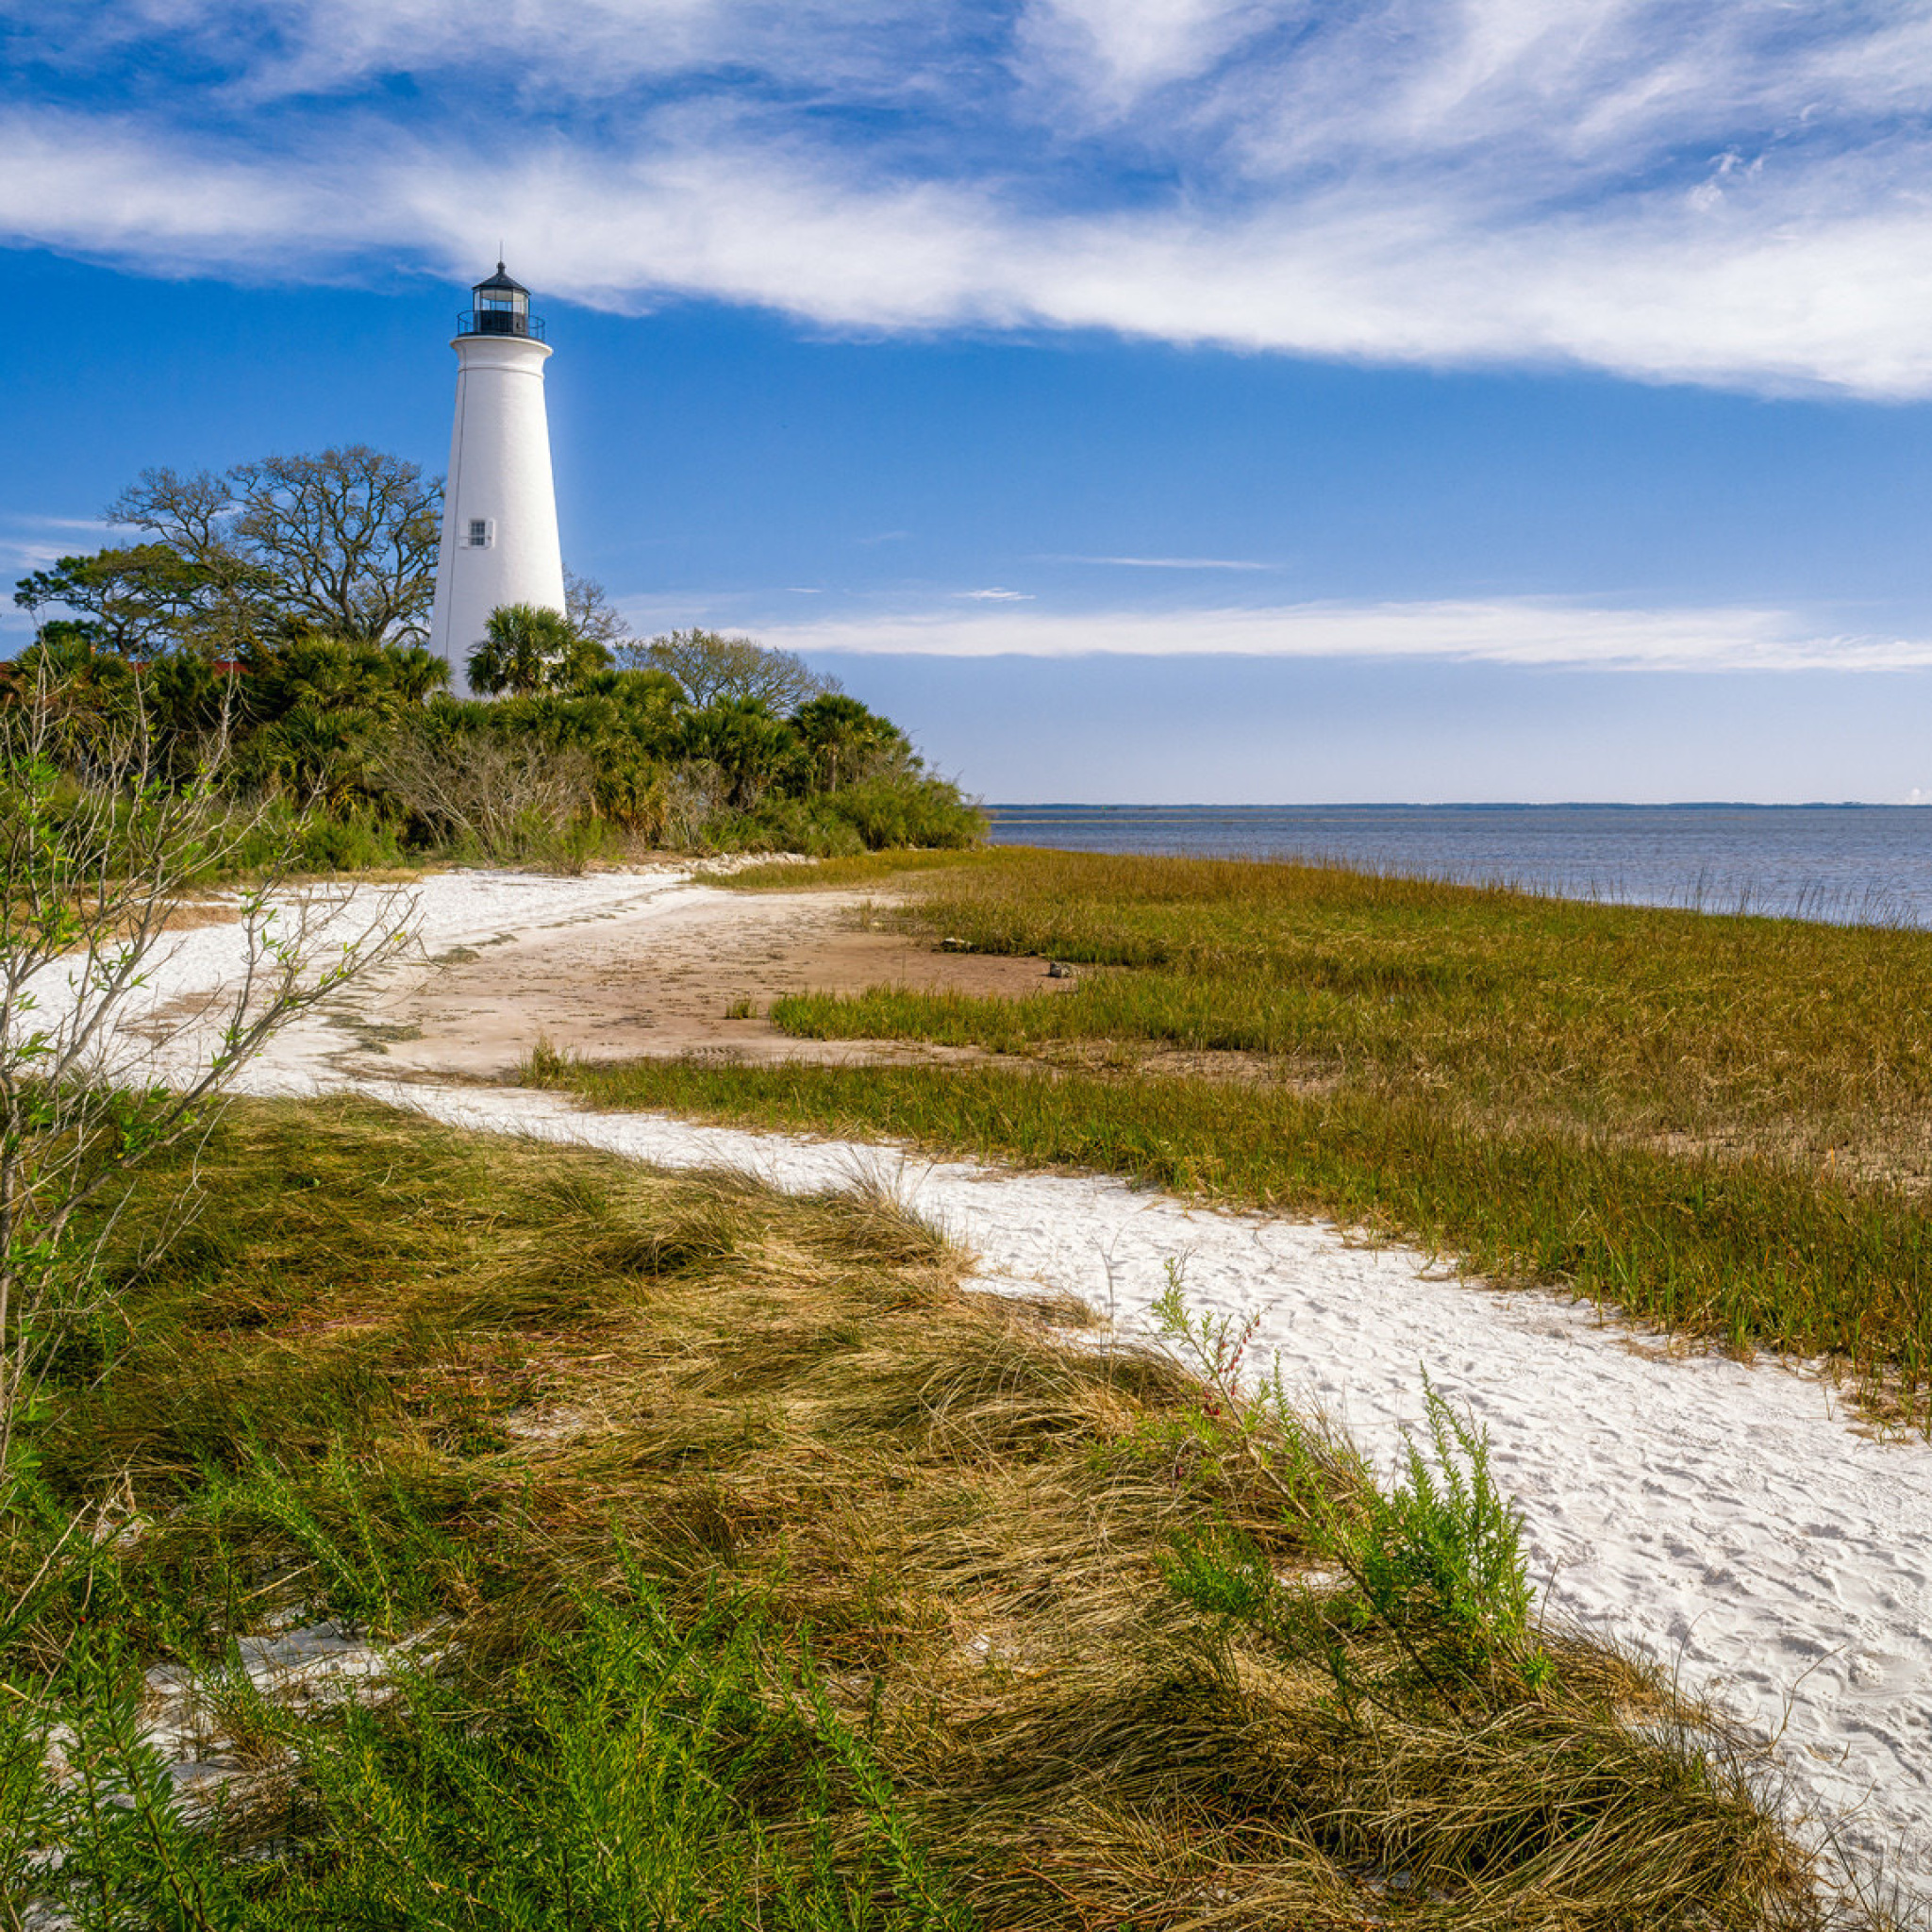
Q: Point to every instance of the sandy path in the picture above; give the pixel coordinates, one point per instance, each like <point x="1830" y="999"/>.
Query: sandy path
<point x="615" y="965"/>
<point x="1723" y="1517"/>
<point x="1731" y="1519"/>
<point x="670" y="976"/>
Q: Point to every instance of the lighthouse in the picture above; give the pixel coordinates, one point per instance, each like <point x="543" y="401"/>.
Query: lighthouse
<point x="499" y="511"/>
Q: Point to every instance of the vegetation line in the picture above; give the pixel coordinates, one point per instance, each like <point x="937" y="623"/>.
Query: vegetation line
<point x="280" y="609"/>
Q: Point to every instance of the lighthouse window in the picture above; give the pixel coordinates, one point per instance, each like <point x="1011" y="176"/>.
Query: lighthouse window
<point x="479" y="533"/>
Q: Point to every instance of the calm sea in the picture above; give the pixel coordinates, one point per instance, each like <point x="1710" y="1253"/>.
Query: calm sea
<point x="1854" y="862"/>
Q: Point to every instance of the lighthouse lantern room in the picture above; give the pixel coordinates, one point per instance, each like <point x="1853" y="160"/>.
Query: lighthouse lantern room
<point x="499" y="514"/>
<point x="502" y="308"/>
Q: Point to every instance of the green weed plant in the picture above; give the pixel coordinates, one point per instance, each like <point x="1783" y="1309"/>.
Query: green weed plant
<point x="1434" y="1559"/>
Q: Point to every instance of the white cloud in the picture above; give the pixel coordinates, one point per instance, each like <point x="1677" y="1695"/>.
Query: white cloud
<point x="1737" y="192"/>
<point x="33" y="543"/>
<point x="1115" y="52"/>
<point x="1167" y="562"/>
<point x="284" y="50"/>
<point x="1525" y="632"/>
<point x="997" y="597"/>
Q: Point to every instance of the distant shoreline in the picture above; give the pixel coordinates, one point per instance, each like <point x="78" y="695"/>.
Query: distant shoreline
<point x="1845" y="864"/>
<point x="1474" y="805"/>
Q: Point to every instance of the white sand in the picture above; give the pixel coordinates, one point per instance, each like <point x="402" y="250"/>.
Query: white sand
<point x="316" y="1668"/>
<point x="1724" y="1517"/>
<point x="1735" y="1521"/>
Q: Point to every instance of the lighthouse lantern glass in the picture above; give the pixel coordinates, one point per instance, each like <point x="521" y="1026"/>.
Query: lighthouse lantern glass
<point x="502" y="307"/>
<point x="502" y="312"/>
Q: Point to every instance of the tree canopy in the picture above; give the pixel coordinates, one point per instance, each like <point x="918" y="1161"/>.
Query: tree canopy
<point x="710" y="668"/>
<point x="592" y="613"/>
<point x="346" y="540"/>
<point x="280" y="606"/>
<point x="526" y="649"/>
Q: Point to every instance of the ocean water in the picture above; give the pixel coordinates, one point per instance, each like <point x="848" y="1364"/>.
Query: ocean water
<point x="1863" y="863"/>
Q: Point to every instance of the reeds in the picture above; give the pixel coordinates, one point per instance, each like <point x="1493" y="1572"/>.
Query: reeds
<point x="1784" y="1036"/>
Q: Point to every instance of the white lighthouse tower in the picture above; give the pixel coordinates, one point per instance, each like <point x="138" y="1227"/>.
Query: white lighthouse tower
<point x="499" y="513"/>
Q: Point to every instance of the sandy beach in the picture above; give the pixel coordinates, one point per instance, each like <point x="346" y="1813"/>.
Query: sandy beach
<point x="1737" y="1521"/>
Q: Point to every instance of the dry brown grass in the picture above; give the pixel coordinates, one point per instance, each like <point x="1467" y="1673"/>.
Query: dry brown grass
<point x="525" y="1362"/>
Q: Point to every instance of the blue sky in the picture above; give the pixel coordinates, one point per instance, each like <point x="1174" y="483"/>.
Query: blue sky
<point x="1141" y="399"/>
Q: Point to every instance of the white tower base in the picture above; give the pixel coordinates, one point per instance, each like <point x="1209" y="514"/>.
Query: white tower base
<point x="499" y="515"/>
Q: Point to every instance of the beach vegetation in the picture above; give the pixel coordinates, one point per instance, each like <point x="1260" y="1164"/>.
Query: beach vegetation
<point x="1715" y="1123"/>
<point x="708" y="1555"/>
<point x="285" y="602"/>
<point x="524" y="650"/>
<point x="93" y="876"/>
<point x="713" y="667"/>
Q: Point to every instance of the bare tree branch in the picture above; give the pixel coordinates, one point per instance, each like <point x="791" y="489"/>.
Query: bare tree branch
<point x="711" y="667"/>
<point x="347" y="539"/>
<point x="590" y="612"/>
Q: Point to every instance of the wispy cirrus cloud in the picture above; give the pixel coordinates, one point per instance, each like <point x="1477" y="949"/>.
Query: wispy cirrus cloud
<point x="1736" y="192"/>
<point x="1166" y="563"/>
<point x="32" y="542"/>
<point x="1527" y="632"/>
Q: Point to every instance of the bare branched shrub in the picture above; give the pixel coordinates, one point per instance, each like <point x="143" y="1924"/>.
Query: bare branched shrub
<point x="500" y="799"/>
<point x="98" y="847"/>
<point x="693" y="795"/>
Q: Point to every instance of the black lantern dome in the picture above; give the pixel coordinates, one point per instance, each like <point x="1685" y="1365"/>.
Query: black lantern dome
<point x="502" y="308"/>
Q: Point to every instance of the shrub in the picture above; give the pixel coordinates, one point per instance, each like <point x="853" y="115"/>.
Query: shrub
<point x="272" y="833"/>
<point x="911" y="808"/>
<point x="482" y="795"/>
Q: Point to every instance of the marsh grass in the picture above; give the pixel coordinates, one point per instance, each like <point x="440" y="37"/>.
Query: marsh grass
<point x="1717" y="1122"/>
<point x="1748" y="1252"/>
<point x="1793" y="1039"/>
<point x="758" y="1574"/>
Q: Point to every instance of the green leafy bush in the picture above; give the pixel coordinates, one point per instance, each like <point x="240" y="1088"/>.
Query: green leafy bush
<point x="303" y="661"/>
<point x="1434" y="1559"/>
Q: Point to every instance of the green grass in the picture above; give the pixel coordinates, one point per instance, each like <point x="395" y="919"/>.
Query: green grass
<point x="633" y="1772"/>
<point x="1809" y="1042"/>
<point x="760" y="1575"/>
<point x="1720" y="1124"/>
<point x="1749" y="1253"/>
<point x="852" y="869"/>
